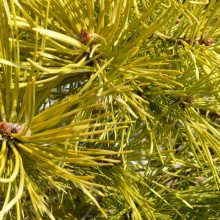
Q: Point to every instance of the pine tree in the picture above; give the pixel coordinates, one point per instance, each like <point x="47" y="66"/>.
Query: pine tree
<point x="109" y="109"/>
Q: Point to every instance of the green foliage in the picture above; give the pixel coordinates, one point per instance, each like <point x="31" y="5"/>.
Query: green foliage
<point x="109" y="109"/>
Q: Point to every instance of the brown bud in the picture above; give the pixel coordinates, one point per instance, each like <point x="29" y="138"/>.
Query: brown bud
<point x="85" y="36"/>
